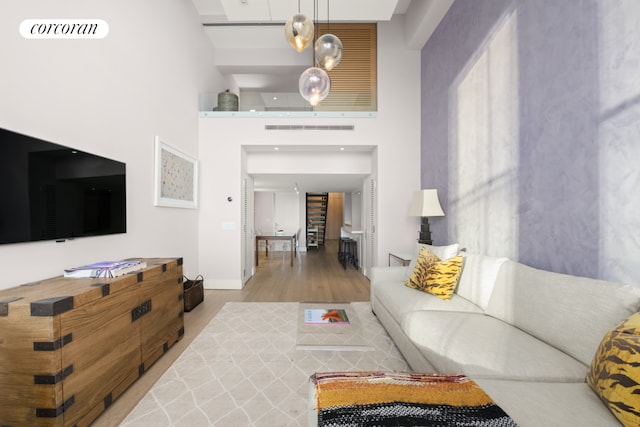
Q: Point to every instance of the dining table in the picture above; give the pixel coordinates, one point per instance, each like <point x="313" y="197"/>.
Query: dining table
<point x="292" y="236"/>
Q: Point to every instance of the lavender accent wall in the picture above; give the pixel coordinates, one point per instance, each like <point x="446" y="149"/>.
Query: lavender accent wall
<point x="531" y="132"/>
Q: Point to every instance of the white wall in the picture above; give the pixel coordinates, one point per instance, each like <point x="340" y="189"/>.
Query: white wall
<point x="287" y="216"/>
<point x="264" y="211"/>
<point x="109" y="97"/>
<point x="395" y="132"/>
<point x="310" y="161"/>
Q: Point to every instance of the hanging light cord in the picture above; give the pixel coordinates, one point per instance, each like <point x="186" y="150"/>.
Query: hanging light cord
<point x="315" y="28"/>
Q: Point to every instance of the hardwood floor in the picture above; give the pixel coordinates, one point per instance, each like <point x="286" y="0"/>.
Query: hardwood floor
<point x="316" y="276"/>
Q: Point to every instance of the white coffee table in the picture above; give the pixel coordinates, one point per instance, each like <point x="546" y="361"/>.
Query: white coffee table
<point x="330" y="337"/>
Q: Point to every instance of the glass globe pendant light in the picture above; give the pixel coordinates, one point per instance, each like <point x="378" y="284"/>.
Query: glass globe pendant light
<point x="299" y="30"/>
<point x="328" y="51"/>
<point x="314" y="85"/>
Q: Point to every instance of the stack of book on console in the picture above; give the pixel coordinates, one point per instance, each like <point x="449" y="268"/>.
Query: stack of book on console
<point x="105" y="269"/>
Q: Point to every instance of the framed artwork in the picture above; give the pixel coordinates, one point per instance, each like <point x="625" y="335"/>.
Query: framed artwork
<point x="176" y="177"/>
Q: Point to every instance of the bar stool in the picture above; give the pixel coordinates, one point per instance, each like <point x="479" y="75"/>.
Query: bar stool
<point x="348" y="252"/>
<point x="352" y="252"/>
<point x="343" y="251"/>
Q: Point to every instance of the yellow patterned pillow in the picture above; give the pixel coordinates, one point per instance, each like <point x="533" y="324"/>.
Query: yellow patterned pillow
<point x="615" y="371"/>
<point x="436" y="277"/>
<point x="443" y="276"/>
<point x="419" y="275"/>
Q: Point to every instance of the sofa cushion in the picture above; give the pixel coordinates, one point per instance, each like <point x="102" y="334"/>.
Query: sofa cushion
<point x="569" y="312"/>
<point x="478" y="278"/>
<point x="409" y="351"/>
<point x="615" y="371"/>
<point x="442" y="252"/>
<point x="400" y="300"/>
<point x="535" y="404"/>
<point x="481" y="346"/>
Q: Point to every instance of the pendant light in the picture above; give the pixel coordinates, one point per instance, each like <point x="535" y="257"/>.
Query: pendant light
<point x="314" y="85"/>
<point x="299" y="31"/>
<point x="328" y="51"/>
<point x="328" y="48"/>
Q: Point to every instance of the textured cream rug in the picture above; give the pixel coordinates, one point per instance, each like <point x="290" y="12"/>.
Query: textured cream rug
<point x="243" y="369"/>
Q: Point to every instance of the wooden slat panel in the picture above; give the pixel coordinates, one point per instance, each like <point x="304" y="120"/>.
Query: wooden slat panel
<point x="354" y="80"/>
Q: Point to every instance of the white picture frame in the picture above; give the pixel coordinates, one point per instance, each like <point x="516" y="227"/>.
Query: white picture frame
<point x="176" y="177"/>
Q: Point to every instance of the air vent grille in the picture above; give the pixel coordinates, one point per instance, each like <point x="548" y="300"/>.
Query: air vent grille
<point x="309" y="127"/>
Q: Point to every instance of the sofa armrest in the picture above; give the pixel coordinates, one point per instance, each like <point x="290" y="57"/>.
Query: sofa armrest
<point x="388" y="276"/>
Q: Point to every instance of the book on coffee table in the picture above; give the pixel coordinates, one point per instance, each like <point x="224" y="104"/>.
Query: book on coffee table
<point x="333" y="316"/>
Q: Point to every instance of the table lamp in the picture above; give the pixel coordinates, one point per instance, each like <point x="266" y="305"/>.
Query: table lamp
<point x="424" y="204"/>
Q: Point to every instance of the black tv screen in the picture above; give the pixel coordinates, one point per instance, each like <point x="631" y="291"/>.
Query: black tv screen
<point x="52" y="192"/>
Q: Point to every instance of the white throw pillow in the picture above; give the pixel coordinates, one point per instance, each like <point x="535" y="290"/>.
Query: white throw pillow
<point x="442" y="252"/>
<point x="479" y="274"/>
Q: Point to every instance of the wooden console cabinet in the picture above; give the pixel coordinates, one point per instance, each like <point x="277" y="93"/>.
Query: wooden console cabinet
<point x="69" y="347"/>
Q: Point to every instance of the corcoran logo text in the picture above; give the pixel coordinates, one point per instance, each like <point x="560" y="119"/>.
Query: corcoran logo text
<point x="64" y="28"/>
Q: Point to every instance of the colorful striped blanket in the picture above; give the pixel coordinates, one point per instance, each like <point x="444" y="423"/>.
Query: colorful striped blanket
<point x="404" y="399"/>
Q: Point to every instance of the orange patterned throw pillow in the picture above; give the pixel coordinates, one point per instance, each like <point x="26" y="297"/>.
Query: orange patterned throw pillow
<point x="615" y="371"/>
<point x="435" y="276"/>
<point x="425" y="260"/>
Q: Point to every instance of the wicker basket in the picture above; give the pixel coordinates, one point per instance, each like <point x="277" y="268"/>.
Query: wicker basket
<point x="193" y="292"/>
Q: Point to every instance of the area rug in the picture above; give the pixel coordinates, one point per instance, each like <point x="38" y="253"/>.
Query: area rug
<point x="403" y="399"/>
<point x="243" y="369"/>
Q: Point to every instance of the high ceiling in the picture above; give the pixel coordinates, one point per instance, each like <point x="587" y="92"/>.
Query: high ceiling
<point x="250" y="47"/>
<point x="248" y="38"/>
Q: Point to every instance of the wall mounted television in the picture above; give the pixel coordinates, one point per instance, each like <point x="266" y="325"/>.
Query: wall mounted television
<point x="52" y="192"/>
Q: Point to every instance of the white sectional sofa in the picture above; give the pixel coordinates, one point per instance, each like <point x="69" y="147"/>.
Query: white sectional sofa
<point x="526" y="336"/>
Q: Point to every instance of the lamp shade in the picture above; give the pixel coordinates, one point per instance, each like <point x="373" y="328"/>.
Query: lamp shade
<point x="425" y="203"/>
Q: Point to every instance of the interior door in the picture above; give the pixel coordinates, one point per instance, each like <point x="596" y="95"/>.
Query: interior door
<point x="370" y="224"/>
<point x="248" y="232"/>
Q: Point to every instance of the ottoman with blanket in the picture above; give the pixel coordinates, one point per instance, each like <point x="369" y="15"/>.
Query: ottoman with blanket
<point x="401" y="399"/>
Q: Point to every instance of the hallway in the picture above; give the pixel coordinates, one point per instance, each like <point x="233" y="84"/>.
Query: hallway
<point x="315" y="276"/>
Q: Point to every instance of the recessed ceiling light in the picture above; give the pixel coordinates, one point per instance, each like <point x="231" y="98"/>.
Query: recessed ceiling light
<point x="276" y="148"/>
<point x="275" y="98"/>
<point x="341" y="148"/>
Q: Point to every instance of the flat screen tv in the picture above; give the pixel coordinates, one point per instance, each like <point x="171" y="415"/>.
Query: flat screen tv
<point x="52" y="192"/>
